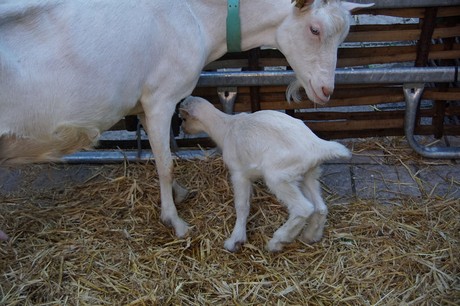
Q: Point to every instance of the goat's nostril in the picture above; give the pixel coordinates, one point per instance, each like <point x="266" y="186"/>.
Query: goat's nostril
<point x="327" y="91"/>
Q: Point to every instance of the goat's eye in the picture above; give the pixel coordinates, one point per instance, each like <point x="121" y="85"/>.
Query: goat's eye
<point x="314" y="31"/>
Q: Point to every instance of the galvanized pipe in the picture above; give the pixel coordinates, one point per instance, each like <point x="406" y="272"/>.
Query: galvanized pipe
<point x="272" y="78"/>
<point x="342" y="76"/>
<point x="114" y="157"/>
<point x="413" y="94"/>
<point x="393" y="4"/>
<point x="227" y="98"/>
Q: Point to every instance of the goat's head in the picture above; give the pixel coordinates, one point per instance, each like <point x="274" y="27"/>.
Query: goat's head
<point x="309" y="38"/>
<point x="188" y="111"/>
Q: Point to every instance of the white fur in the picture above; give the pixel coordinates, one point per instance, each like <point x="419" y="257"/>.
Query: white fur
<point x="70" y="69"/>
<point x="276" y="147"/>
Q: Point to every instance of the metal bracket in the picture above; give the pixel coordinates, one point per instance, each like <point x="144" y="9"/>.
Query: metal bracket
<point x="227" y="97"/>
<point x="413" y="94"/>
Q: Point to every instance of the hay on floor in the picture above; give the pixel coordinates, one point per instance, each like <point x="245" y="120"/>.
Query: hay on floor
<point x="101" y="243"/>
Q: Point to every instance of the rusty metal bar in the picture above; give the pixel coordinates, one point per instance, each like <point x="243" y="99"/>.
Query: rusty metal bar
<point x="428" y="23"/>
<point x="424" y="43"/>
<point x="439" y="107"/>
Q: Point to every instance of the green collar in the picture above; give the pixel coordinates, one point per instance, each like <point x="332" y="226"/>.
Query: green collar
<point x="233" y="26"/>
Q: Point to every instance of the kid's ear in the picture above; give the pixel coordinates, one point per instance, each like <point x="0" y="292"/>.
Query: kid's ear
<point x="183" y="113"/>
<point x="303" y="5"/>
<point x="355" y="6"/>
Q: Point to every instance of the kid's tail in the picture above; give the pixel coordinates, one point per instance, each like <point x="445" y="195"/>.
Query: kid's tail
<point x="335" y="150"/>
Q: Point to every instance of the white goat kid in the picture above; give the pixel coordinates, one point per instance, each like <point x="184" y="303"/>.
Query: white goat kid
<point x="280" y="149"/>
<point x="71" y="69"/>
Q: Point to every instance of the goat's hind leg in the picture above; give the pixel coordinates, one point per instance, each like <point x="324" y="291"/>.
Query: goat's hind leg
<point x="242" y="190"/>
<point x="311" y="188"/>
<point x="300" y="209"/>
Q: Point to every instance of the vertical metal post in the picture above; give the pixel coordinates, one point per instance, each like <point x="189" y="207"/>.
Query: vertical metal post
<point x="254" y="91"/>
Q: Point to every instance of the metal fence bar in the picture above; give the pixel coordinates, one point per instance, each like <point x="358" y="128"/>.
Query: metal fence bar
<point x="273" y="78"/>
<point x="115" y="157"/>
<point x="342" y="76"/>
<point x="393" y="4"/>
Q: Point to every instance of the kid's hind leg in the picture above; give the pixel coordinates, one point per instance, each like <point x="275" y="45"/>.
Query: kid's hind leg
<point x="311" y="188"/>
<point x="300" y="209"/>
<point x="242" y="189"/>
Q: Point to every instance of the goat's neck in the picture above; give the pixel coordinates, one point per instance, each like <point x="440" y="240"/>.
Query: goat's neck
<point x="259" y="22"/>
<point x="216" y="124"/>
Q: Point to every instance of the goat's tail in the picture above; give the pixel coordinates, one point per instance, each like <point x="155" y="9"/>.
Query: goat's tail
<point x="335" y="150"/>
<point x="65" y="140"/>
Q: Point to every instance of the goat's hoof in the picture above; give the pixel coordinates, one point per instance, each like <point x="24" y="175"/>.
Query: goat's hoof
<point x="181" y="229"/>
<point x="233" y="246"/>
<point x="274" y="246"/>
<point x="180" y="226"/>
<point x="310" y="239"/>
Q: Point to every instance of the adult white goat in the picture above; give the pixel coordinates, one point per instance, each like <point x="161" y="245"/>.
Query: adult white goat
<point x="273" y="146"/>
<point x="70" y="69"/>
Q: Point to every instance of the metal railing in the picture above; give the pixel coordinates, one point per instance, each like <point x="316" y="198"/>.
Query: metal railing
<point x="387" y="4"/>
<point x="342" y="76"/>
<point x="413" y="79"/>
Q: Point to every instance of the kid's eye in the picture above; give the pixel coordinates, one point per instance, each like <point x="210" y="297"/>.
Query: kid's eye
<point x="314" y="31"/>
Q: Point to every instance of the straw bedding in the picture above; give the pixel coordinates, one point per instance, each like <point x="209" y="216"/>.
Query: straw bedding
<point x="101" y="243"/>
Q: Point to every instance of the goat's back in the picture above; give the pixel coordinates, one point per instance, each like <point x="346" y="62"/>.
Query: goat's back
<point x="71" y="69"/>
<point x="271" y="139"/>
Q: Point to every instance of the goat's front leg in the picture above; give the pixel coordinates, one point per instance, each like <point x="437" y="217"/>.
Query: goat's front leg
<point x="242" y="193"/>
<point x="180" y="192"/>
<point x="158" y="123"/>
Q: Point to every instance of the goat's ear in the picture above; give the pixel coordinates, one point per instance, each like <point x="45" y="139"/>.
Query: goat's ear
<point x="355" y="6"/>
<point x="303" y="4"/>
<point x="183" y="113"/>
